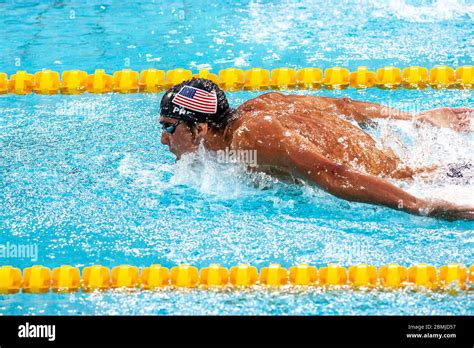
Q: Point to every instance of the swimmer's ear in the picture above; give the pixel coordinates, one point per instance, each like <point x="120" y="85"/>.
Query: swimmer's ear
<point x="200" y="129"/>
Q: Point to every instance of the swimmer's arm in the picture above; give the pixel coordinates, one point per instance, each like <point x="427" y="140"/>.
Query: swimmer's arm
<point x="358" y="110"/>
<point x="459" y="119"/>
<point x="351" y="185"/>
<point x="343" y="182"/>
<point x="362" y="111"/>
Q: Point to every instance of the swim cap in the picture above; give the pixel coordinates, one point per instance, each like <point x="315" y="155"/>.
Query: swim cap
<point x="196" y="100"/>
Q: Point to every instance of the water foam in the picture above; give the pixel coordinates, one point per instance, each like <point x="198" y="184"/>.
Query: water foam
<point x="440" y="10"/>
<point x="428" y="146"/>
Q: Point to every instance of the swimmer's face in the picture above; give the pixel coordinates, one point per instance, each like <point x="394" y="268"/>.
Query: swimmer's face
<point x="181" y="140"/>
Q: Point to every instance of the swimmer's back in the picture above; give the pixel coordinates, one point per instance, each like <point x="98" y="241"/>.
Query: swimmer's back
<point x="274" y="118"/>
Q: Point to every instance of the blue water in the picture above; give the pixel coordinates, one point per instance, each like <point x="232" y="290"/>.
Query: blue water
<point x="85" y="179"/>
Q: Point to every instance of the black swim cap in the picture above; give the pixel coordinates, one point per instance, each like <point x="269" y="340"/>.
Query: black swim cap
<point x="197" y="100"/>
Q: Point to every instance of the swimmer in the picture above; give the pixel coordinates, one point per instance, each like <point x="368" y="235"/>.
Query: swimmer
<point x="308" y="137"/>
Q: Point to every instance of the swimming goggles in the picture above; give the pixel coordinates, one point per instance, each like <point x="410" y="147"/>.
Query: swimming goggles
<point x="170" y="128"/>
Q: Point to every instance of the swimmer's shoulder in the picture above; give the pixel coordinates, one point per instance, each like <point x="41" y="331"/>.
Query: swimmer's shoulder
<point x="255" y="127"/>
<point x="264" y="101"/>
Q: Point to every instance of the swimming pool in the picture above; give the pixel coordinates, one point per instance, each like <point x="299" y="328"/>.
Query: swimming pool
<point x="86" y="179"/>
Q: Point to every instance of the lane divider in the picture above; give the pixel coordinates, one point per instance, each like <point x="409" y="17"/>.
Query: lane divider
<point x="65" y="279"/>
<point x="233" y="79"/>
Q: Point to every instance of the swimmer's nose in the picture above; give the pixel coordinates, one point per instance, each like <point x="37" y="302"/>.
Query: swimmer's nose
<point x="165" y="139"/>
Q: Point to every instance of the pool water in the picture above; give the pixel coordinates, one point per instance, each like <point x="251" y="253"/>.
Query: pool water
<point x="86" y="180"/>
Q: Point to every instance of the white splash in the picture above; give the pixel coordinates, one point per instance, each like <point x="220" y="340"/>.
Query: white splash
<point x="437" y="11"/>
<point x="431" y="146"/>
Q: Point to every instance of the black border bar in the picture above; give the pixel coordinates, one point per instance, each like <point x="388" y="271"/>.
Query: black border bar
<point x="455" y="331"/>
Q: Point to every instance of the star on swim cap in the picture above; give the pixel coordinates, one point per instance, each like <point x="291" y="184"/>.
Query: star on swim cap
<point x="196" y="100"/>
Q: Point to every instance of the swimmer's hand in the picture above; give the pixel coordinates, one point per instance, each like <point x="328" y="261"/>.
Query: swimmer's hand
<point x="441" y="209"/>
<point x="459" y="119"/>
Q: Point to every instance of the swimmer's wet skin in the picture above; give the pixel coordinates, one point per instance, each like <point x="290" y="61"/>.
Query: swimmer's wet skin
<point x="300" y="135"/>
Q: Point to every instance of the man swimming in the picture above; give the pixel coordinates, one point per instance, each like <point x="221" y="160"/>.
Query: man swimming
<point x="307" y="137"/>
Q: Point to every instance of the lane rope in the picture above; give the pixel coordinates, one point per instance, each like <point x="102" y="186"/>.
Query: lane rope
<point x="233" y="79"/>
<point x="65" y="279"/>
